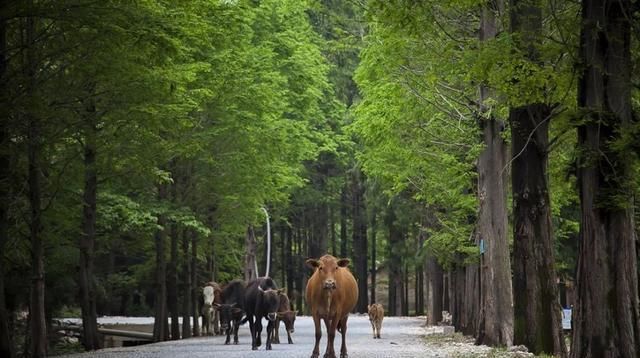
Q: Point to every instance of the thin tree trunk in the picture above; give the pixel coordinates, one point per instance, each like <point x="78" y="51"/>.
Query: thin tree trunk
<point x="250" y="255"/>
<point x="496" y="315"/>
<point x="405" y="289"/>
<point x="195" y="289"/>
<point x="435" y="282"/>
<point x="343" y="223"/>
<point x="90" y="337"/>
<point x="395" y="263"/>
<point x="332" y="225"/>
<point x="289" y="262"/>
<point x="606" y="318"/>
<point x="359" y="235"/>
<point x="374" y="269"/>
<point x="6" y="345"/>
<point x="37" y="318"/>
<point x="172" y="283"/>
<point x="186" y="287"/>
<point x="160" y="323"/>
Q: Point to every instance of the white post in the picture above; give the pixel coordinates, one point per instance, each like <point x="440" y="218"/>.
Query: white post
<point x="266" y="274"/>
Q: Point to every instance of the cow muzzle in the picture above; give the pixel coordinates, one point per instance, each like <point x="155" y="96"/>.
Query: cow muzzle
<point x="330" y="284"/>
<point x="272" y="316"/>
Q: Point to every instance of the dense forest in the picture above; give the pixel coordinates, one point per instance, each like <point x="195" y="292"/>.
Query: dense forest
<point x="478" y="157"/>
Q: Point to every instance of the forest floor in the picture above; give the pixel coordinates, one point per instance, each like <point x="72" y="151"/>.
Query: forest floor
<point x="401" y="337"/>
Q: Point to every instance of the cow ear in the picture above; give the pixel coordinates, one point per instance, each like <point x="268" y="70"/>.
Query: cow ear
<point x="313" y="263"/>
<point x="343" y="262"/>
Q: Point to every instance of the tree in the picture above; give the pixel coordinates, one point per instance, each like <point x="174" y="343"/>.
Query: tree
<point x="606" y="321"/>
<point x="538" y="323"/>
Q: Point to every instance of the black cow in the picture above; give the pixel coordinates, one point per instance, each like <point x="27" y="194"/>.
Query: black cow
<point x="231" y="309"/>
<point x="261" y="300"/>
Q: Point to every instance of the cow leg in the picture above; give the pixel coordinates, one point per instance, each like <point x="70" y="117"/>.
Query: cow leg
<point x="373" y="327"/>
<point x="276" y="332"/>
<point x="331" y="325"/>
<point x="270" y="326"/>
<point x="228" y="331"/>
<point x="289" y="337"/>
<point x="236" y="326"/>
<point x="252" y="328"/>
<point x="343" y="348"/>
<point x="216" y="322"/>
<point x="258" y="331"/>
<point x="316" y="348"/>
<point x="379" y="327"/>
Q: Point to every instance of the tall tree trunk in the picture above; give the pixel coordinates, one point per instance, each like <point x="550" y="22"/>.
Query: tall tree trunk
<point x="496" y="315"/>
<point x="374" y="269"/>
<point x="172" y="283"/>
<point x="160" y="329"/>
<point x="291" y="270"/>
<point x="37" y="319"/>
<point x="537" y="315"/>
<point x="283" y="253"/>
<point x="359" y="234"/>
<point x="395" y="262"/>
<point x="195" y="288"/>
<point x="90" y="337"/>
<point x="405" y="290"/>
<point x="469" y="320"/>
<point x="332" y="226"/>
<point x="606" y="321"/>
<point x="6" y="345"/>
<point x="250" y="255"/>
<point x="186" y="287"/>
<point x="343" y="222"/>
<point x="435" y="282"/>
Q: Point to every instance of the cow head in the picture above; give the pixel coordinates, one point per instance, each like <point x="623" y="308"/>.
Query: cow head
<point x="227" y="314"/>
<point x="326" y="267"/>
<point x="289" y="319"/>
<point x="270" y="302"/>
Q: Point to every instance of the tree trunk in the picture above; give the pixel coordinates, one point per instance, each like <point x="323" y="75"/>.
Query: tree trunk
<point x="469" y="320"/>
<point x="289" y="262"/>
<point x="186" y="287"/>
<point x="195" y="289"/>
<point x="160" y="329"/>
<point x="606" y="319"/>
<point x="332" y="227"/>
<point x="405" y="290"/>
<point x="172" y="283"/>
<point x="359" y="234"/>
<point x="343" y="223"/>
<point x="395" y="263"/>
<point x="250" y="255"/>
<point x="6" y="345"/>
<point x="374" y="269"/>
<point x="435" y="282"/>
<point x="537" y="315"/>
<point x="496" y="315"/>
<point x="90" y="337"/>
<point x="37" y="319"/>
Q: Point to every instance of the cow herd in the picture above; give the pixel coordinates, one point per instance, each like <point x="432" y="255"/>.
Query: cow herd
<point x="331" y="294"/>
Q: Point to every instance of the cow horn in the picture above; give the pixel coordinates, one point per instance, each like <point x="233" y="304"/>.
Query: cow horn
<point x="260" y="288"/>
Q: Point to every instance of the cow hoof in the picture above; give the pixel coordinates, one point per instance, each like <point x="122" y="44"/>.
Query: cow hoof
<point x="236" y="342"/>
<point x="327" y="355"/>
<point x="268" y="348"/>
<point x="315" y="355"/>
<point x="344" y="355"/>
<point x="254" y="348"/>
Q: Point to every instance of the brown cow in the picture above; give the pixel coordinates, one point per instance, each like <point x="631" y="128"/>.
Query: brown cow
<point x="376" y="315"/>
<point x="332" y="292"/>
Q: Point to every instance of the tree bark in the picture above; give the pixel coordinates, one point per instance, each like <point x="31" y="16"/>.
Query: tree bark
<point x="6" y="345"/>
<point x="160" y="328"/>
<point x="37" y="318"/>
<point x="90" y="337"/>
<point x="374" y="269"/>
<point x="343" y="223"/>
<point x="359" y="234"/>
<point x="195" y="289"/>
<point x="496" y="314"/>
<point x="186" y="287"/>
<point x="250" y="255"/>
<point x="395" y="263"/>
<point x="606" y="319"/>
<point x="435" y="282"/>
<point x="537" y="312"/>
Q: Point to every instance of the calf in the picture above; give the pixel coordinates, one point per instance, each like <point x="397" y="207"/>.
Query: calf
<point x="376" y="315"/>
<point x="331" y="293"/>
<point x="207" y="311"/>
<point x="231" y="309"/>
<point x="286" y="315"/>
<point x="261" y="300"/>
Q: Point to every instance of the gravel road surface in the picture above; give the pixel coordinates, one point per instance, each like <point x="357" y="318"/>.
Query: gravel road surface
<point x="401" y="337"/>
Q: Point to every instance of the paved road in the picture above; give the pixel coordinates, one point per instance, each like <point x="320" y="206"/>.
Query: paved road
<point x="401" y="337"/>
